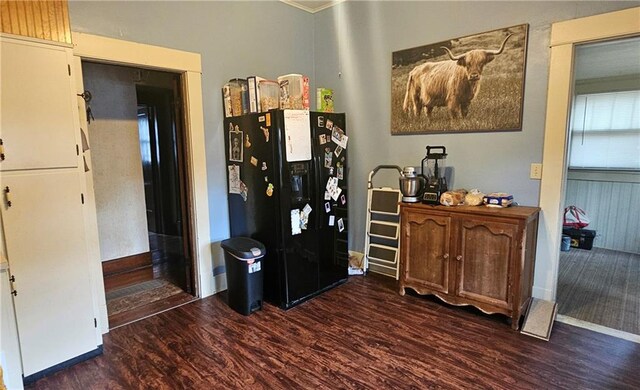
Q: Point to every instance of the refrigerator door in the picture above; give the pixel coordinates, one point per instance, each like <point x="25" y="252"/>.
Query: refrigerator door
<point x="253" y="177"/>
<point x="298" y="200"/>
<point x="331" y="163"/>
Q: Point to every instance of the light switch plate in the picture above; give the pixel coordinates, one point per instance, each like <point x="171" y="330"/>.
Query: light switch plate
<point x="536" y="171"/>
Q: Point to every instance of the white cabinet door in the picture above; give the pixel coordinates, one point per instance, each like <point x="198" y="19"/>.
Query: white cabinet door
<point x="38" y="99"/>
<point x="47" y="253"/>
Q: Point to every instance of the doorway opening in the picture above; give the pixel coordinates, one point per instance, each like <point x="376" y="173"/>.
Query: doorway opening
<point x="599" y="274"/>
<point x="136" y="132"/>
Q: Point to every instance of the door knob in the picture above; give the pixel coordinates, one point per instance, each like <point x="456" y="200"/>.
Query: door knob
<point x="459" y="257"/>
<point x="446" y="256"/>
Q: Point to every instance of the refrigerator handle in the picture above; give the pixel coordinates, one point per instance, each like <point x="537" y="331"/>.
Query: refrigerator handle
<point x="318" y="190"/>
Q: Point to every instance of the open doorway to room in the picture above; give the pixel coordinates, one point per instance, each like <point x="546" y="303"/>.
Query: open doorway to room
<point x="137" y="142"/>
<point x="599" y="275"/>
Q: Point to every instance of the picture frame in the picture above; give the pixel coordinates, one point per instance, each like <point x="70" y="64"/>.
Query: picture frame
<point x="236" y="145"/>
<point x="435" y="88"/>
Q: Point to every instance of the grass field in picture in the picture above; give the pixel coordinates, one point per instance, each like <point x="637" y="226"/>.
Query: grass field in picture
<point x="497" y="105"/>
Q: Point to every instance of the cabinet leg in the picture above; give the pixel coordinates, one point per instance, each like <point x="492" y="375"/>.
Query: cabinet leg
<point x="401" y="292"/>
<point x="515" y="321"/>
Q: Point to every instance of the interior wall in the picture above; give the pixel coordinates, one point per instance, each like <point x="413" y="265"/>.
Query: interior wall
<point x="116" y="162"/>
<point x="234" y="38"/>
<point x="353" y="45"/>
<point x="612" y="207"/>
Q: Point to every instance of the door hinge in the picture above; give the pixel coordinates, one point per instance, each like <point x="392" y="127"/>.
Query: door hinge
<point x="69" y="69"/>
<point x="82" y="198"/>
<point x="95" y="323"/>
<point x="77" y="150"/>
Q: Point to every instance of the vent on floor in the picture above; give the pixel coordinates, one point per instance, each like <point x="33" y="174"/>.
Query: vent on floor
<point x="539" y="319"/>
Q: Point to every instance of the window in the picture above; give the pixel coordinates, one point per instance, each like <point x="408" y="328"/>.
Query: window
<point x="605" y="131"/>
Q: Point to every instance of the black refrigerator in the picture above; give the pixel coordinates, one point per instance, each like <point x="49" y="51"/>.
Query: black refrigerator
<point x="287" y="188"/>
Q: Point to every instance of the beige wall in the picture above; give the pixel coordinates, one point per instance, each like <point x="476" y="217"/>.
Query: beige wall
<point x="116" y="163"/>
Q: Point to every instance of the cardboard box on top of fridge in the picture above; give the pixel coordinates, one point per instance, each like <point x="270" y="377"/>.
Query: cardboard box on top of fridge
<point x="294" y="92"/>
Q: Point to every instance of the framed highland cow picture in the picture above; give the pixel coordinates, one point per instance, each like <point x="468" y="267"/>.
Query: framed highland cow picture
<point x="469" y="84"/>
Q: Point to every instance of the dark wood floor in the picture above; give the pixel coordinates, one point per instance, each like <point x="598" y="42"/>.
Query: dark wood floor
<point x="360" y="335"/>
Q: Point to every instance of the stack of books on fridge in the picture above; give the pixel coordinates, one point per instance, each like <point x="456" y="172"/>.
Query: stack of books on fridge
<point x="257" y="94"/>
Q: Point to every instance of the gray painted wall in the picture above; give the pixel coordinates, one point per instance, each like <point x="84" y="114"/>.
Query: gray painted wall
<point x="235" y="39"/>
<point x="354" y="42"/>
<point x="613" y="210"/>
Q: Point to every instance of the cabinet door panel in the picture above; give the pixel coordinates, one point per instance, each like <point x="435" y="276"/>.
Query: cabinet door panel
<point x="37" y="118"/>
<point x="427" y="260"/>
<point x="485" y="250"/>
<point x="47" y="252"/>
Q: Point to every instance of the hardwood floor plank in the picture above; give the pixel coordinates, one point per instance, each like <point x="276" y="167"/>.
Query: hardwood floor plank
<point x="361" y="335"/>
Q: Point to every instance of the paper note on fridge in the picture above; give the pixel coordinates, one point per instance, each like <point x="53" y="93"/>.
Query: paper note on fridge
<point x="295" y="222"/>
<point x="333" y="189"/>
<point x="297" y="132"/>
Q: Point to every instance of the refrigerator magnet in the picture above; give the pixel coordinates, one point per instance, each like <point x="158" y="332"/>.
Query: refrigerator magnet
<point x="340" y="225"/>
<point x="332" y="220"/>
<point x="331" y="170"/>
<point x="340" y="173"/>
<point x="265" y="131"/>
<point x="235" y="145"/>
<point x="322" y="138"/>
<point x="327" y="196"/>
<point x="328" y="158"/>
<point x="339" y="137"/>
<point x="268" y="116"/>
<point x="266" y="179"/>
<point x="338" y="151"/>
<point x="327" y="207"/>
<point x="234" y="179"/>
<point x="244" y="191"/>
<point x="264" y="165"/>
<point x="307" y="209"/>
<point x="343" y="199"/>
<point x="270" y="189"/>
<point x="247" y="143"/>
<point x="320" y="121"/>
<point x="329" y="124"/>
<point x="254" y="161"/>
<point x="261" y="118"/>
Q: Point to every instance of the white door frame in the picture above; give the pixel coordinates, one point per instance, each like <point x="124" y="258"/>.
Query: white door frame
<point x="118" y="52"/>
<point x="564" y="37"/>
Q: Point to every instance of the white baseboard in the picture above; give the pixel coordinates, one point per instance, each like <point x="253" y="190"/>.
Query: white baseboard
<point x="598" y="328"/>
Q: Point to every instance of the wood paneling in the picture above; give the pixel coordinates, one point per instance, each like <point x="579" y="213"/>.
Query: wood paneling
<point x="361" y="335"/>
<point x="614" y="211"/>
<point x="43" y="19"/>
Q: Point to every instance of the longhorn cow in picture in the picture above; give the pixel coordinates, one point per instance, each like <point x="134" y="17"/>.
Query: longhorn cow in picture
<point x="452" y="83"/>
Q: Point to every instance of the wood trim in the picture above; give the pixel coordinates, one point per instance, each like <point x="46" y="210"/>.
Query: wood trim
<point x="114" y="51"/>
<point x="127" y="270"/>
<point x="126" y="264"/>
<point x="564" y="36"/>
<point x="596" y="27"/>
<point x="111" y="50"/>
<point x="42" y="19"/>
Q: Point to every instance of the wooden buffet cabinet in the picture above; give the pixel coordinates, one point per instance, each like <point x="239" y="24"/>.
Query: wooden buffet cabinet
<point x="467" y="255"/>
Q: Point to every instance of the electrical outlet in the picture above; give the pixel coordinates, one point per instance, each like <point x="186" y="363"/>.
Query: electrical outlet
<point x="536" y="171"/>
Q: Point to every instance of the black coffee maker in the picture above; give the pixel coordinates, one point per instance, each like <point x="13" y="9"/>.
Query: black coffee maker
<point x="433" y="168"/>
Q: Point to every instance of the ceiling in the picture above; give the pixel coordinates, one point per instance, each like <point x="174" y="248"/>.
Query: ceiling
<point x="311" y="5"/>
